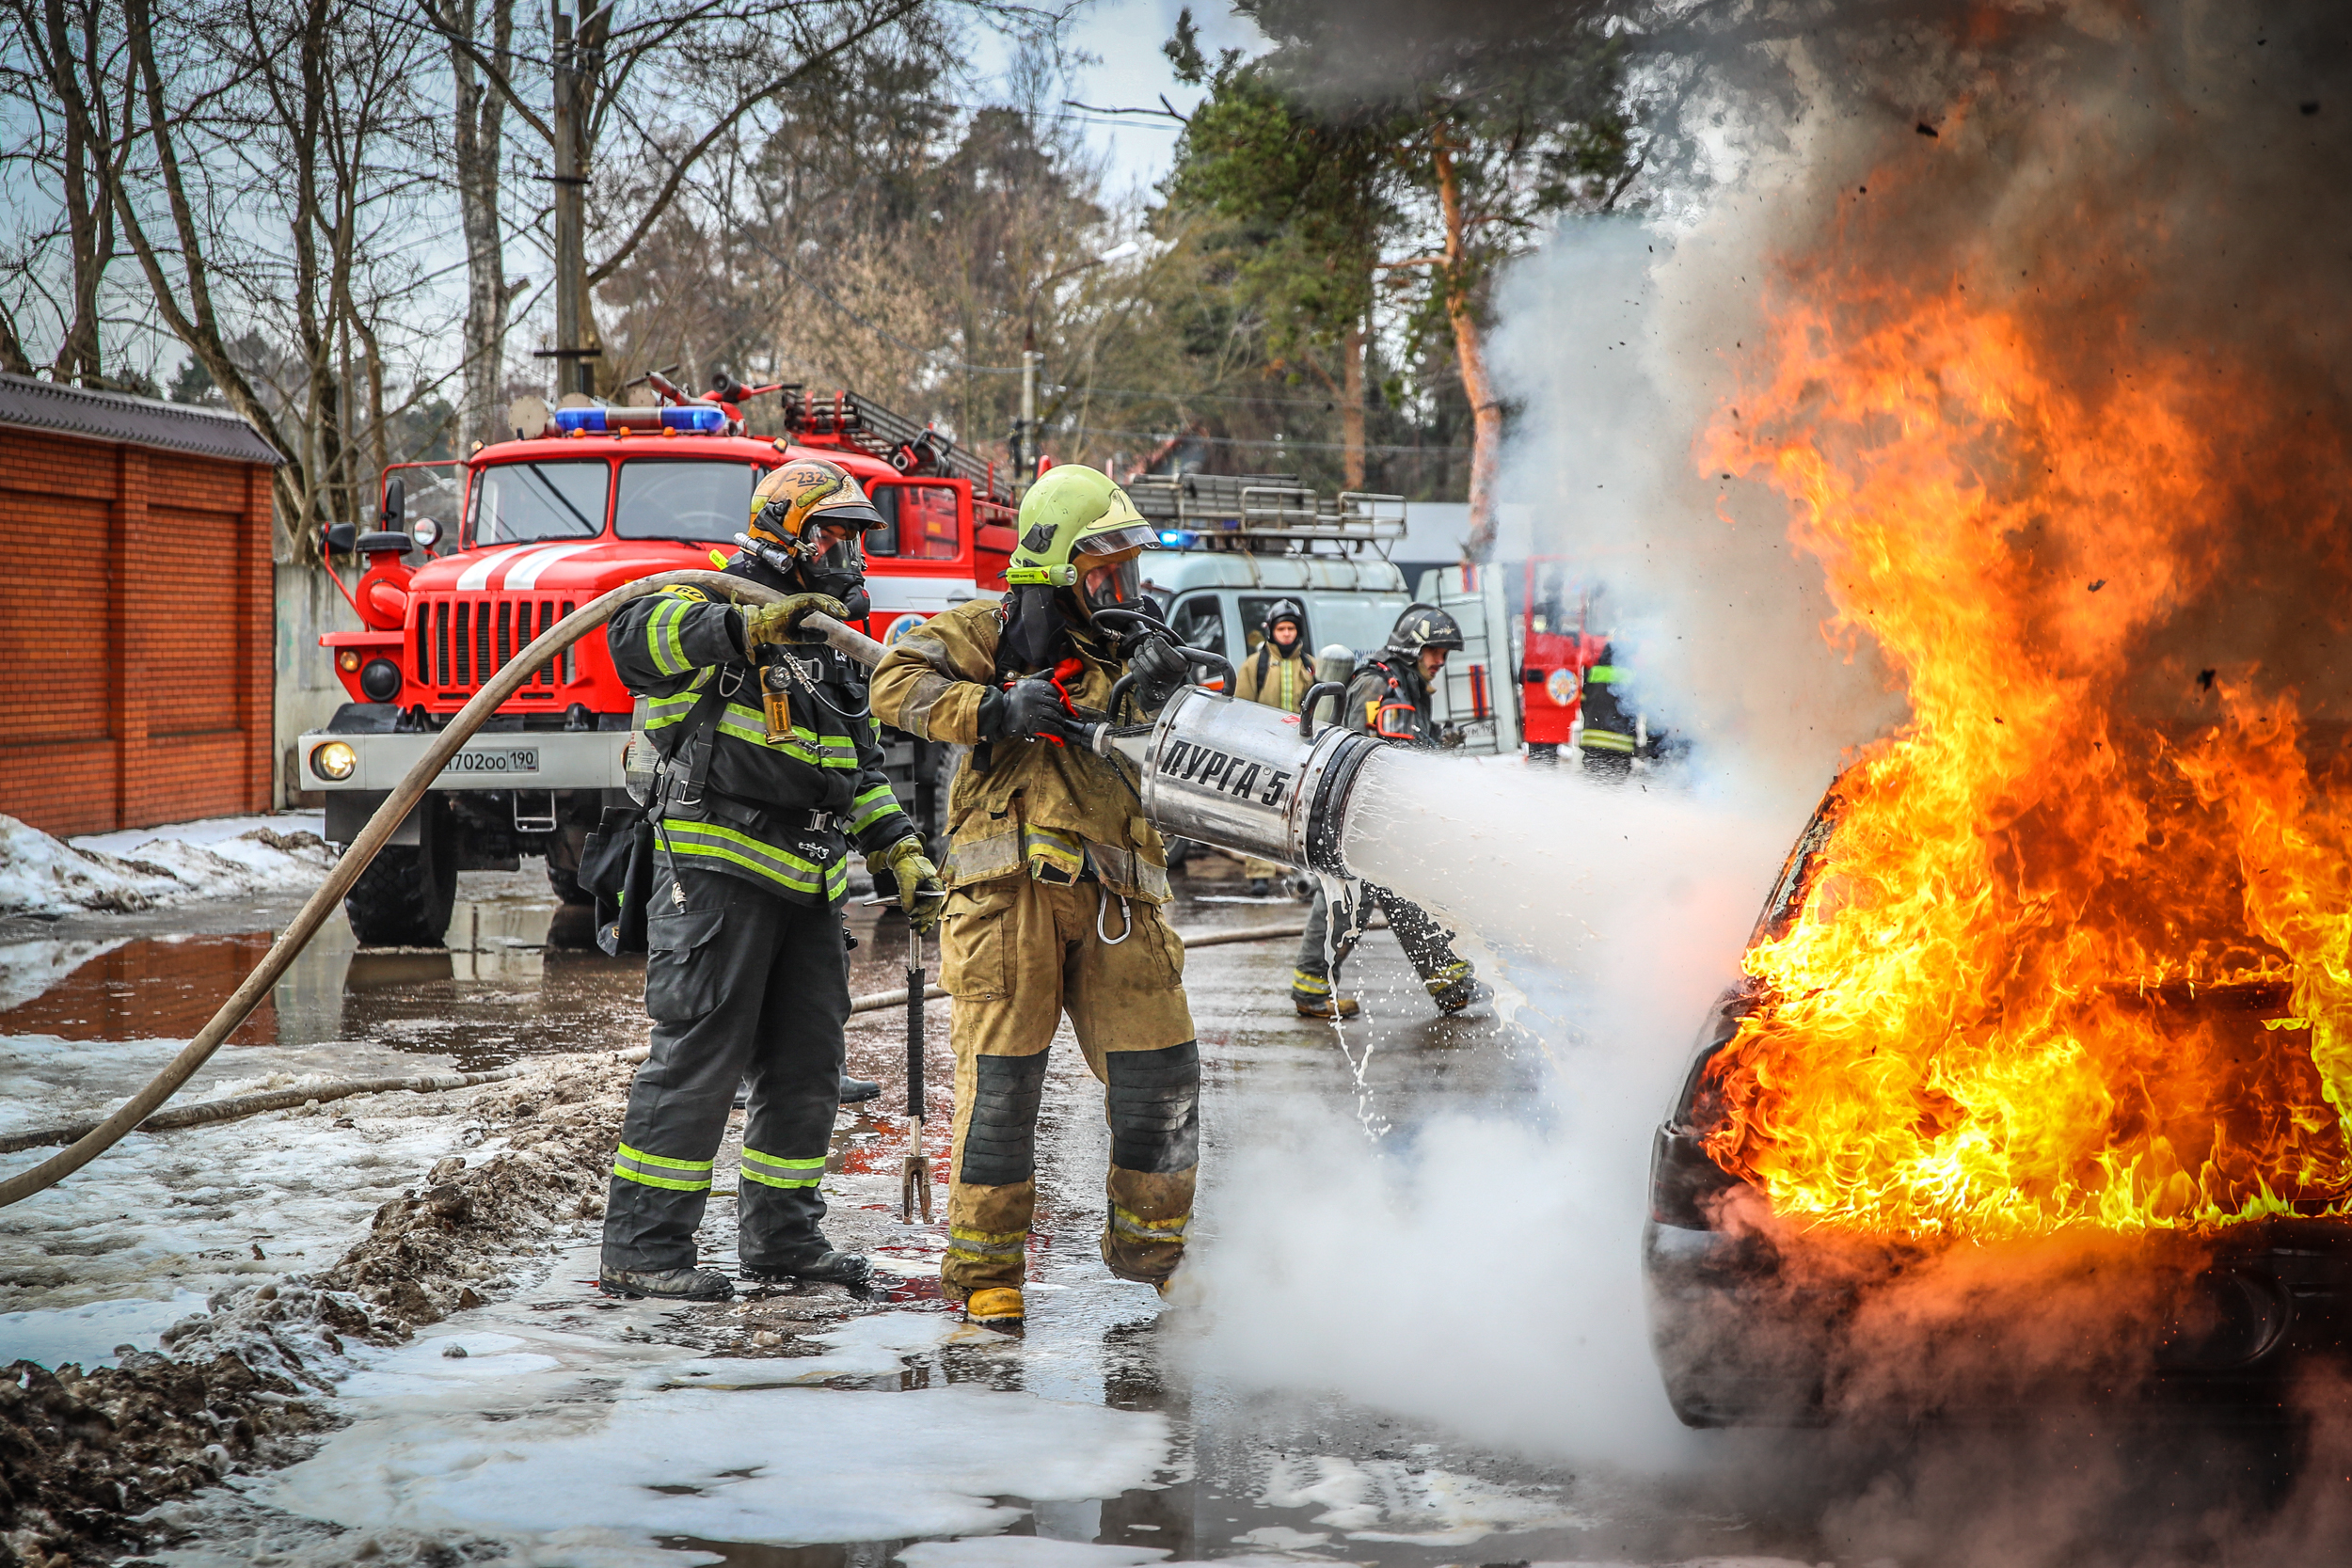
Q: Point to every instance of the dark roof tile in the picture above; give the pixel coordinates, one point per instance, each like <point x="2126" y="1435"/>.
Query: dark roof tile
<point x="34" y="404"/>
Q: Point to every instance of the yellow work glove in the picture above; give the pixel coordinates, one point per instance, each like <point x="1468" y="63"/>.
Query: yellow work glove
<point x="921" y="892"/>
<point x="777" y="622"/>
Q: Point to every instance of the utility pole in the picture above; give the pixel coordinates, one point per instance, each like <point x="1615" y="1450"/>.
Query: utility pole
<point x="576" y="347"/>
<point x="1024" y="432"/>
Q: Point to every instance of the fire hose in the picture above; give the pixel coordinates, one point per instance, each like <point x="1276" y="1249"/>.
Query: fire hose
<point x="1240" y="776"/>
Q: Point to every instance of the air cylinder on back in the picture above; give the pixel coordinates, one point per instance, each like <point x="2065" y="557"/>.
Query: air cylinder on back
<point x="1239" y="776"/>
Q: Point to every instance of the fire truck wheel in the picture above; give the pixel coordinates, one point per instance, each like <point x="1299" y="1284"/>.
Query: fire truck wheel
<point x="405" y="896"/>
<point x="563" y="847"/>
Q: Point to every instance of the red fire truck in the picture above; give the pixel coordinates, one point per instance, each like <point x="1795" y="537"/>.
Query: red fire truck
<point x="1560" y="645"/>
<point x="545" y="522"/>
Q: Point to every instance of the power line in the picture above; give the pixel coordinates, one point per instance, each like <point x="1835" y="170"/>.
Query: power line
<point x="1236" y="441"/>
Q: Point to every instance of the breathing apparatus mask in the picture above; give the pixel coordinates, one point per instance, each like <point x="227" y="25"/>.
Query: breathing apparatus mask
<point x="1046" y="601"/>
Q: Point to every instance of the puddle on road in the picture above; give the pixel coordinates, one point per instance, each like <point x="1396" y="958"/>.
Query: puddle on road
<point x="486" y="1000"/>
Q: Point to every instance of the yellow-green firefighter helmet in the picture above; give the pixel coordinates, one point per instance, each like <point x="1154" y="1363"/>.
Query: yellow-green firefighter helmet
<point x="1073" y="511"/>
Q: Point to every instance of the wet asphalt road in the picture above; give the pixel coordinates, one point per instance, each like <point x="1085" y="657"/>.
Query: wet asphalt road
<point x="1260" y="1467"/>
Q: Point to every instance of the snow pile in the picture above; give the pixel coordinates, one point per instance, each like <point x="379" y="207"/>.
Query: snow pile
<point x="142" y="867"/>
<point x="204" y="1208"/>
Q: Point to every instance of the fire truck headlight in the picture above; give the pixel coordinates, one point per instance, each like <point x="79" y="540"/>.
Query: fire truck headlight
<point x="1560" y="686"/>
<point x="334" y="759"/>
<point x="380" y="681"/>
<point x="426" y="531"/>
<point x="348" y="660"/>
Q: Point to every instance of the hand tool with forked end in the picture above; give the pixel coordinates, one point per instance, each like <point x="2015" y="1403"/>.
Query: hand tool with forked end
<point x="914" y="1181"/>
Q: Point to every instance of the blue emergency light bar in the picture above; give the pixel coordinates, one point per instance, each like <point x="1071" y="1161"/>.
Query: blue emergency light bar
<point x="599" y="421"/>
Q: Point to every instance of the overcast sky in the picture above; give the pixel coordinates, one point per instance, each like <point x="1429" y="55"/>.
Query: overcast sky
<point x="1124" y="37"/>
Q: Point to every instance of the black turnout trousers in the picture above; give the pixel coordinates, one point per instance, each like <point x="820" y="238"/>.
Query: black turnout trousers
<point x="741" y="983"/>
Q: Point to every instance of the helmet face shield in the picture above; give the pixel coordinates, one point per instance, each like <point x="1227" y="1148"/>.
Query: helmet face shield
<point x="1130" y="536"/>
<point x="1111" y="584"/>
<point x="830" y="552"/>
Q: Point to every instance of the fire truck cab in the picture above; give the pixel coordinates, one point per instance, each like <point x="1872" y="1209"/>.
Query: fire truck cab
<point x="547" y="522"/>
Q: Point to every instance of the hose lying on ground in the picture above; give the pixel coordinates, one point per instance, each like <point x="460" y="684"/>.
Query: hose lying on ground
<point x="372" y="837"/>
<point x="235" y="1107"/>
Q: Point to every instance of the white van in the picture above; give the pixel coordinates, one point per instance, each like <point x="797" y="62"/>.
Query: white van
<point x="1217" y="599"/>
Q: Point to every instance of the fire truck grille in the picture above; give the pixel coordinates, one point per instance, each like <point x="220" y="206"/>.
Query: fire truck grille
<point x="461" y="643"/>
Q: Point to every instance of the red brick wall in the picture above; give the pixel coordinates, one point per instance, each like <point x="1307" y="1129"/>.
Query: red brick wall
<point x="135" y="635"/>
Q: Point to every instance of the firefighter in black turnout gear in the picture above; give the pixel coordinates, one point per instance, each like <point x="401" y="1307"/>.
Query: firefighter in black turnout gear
<point x="1389" y="697"/>
<point x="770" y="765"/>
<point x="1610" y="734"/>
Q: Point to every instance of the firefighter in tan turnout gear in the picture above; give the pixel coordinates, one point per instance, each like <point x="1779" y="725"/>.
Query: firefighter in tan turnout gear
<point x="1056" y="882"/>
<point x="770" y="766"/>
<point x="1277" y="672"/>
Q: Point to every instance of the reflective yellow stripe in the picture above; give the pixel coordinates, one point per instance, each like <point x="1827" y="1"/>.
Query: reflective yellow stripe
<point x="977" y="1245"/>
<point x="633" y="1164"/>
<point x="871" y="807"/>
<point x="713" y="842"/>
<point x="1062" y="852"/>
<point x="1125" y="1222"/>
<point x="664" y="1160"/>
<point x="1604" y="740"/>
<point x="661" y="636"/>
<point x="1311" y="985"/>
<point x="642" y="1180"/>
<point x="662" y="711"/>
<point x="775" y="1172"/>
<point x="806" y="745"/>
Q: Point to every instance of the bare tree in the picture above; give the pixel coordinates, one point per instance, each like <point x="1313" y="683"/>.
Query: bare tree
<point x="261" y="166"/>
<point x="480" y="38"/>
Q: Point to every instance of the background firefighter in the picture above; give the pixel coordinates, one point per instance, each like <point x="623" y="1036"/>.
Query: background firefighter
<point x="1389" y="697"/>
<point x="1611" y="732"/>
<point x="1057" y="884"/>
<point x="1278" y="673"/>
<point x="770" y="761"/>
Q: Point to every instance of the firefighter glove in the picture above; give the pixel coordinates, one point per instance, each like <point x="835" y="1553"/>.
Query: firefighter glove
<point x="921" y="892"/>
<point x="1159" y="670"/>
<point x="1031" y="710"/>
<point x="779" y="622"/>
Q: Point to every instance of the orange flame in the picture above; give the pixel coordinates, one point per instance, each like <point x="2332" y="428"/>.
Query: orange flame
<point x="2072" y="954"/>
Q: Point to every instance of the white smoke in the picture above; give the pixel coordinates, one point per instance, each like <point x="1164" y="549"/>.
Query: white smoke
<point x="1481" y="1267"/>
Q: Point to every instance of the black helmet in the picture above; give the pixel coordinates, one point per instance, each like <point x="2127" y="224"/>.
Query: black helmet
<point x="1424" y="626"/>
<point x="1284" y="609"/>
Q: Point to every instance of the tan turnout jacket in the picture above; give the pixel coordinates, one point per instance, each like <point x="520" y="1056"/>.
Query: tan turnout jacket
<point x="1283" y="682"/>
<point x="1042" y="809"/>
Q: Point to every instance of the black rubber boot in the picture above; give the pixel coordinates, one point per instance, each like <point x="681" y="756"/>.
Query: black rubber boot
<point x="856" y="1091"/>
<point x="819" y="1268"/>
<point x="666" y="1285"/>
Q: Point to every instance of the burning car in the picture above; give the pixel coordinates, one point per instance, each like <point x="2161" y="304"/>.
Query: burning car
<point x="2034" y="1084"/>
<point x="1770" y="1304"/>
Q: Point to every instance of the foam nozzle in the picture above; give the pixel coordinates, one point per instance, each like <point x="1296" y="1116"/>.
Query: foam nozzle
<point x="1244" y="777"/>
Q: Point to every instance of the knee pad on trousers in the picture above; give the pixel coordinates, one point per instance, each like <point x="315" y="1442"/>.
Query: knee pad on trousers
<point x="1154" y="1106"/>
<point x="1000" y="1140"/>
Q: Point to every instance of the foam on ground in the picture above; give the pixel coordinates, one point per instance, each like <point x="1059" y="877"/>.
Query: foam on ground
<point x="774" y="1466"/>
<point x="90" y="1335"/>
<point x="1396" y="1500"/>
